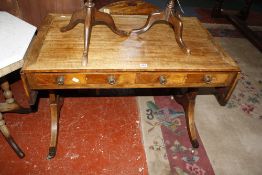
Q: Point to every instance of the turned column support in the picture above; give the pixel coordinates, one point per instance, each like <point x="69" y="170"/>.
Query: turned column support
<point x="7" y="92"/>
<point x="187" y="100"/>
<point x="55" y="104"/>
<point x="170" y="16"/>
<point x="90" y="16"/>
<point x="10" y="105"/>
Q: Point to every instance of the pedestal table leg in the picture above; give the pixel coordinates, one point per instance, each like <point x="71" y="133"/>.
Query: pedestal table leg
<point x="90" y="16"/>
<point x="55" y="106"/>
<point x="188" y="102"/>
<point x="170" y="16"/>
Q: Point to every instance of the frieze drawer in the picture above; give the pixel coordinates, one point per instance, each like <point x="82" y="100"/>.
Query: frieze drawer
<point x="208" y="79"/>
<point x="203" y="79"/>
<point x="80" y="80"/>
<point x="127" y="80"/>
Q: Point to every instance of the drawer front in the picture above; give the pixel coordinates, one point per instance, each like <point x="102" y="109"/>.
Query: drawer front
<point x="128" y="80"/>
<point x="78" y="80"/>
<point x="208" y="79"/>
<point x="160" y="79"/>
<point x="205" y="79"/>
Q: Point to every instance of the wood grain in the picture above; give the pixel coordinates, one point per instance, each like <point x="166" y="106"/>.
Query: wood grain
<point x="11" y="6"/>
<point x="34" y="11"/>
<point x="108" y="51"/>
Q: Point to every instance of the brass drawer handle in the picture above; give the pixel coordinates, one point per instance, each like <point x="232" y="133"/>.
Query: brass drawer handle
<point x="60" y="80"/>
<point x="207" y="79"/>
<point x="162" y="79"/>
<point x="111" y="80"/>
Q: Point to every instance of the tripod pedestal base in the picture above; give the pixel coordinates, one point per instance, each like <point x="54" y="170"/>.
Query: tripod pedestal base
<point x="169" y="16"/>
<point x="89" y="15"/>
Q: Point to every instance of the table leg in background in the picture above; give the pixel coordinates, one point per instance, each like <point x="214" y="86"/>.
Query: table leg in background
<point x="9" y="138"/>
<point x="10" y="104"/>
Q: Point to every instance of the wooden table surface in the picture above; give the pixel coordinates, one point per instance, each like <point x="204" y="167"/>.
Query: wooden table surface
<point x="154" y="50"/>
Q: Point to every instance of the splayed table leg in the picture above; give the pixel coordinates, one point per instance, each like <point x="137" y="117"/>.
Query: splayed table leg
<point x="187" y="100"/>
<point x="55" y="106"/>
<point x="169" y="16"/>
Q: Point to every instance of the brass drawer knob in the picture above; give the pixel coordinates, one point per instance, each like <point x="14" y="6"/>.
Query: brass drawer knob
<point x="111" y="80"/>
<point x="207" y="79"/>
<point x="162" y="79"/>
<point x="60" y="80"/>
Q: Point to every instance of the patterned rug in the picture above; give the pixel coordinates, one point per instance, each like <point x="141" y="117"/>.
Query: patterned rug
<point x="166" y="140"/>
<point x="248" y="93"/>
<point x="247" y="97"/>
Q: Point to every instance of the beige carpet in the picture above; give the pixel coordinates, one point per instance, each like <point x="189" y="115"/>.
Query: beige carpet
<point x="232" y="135"/>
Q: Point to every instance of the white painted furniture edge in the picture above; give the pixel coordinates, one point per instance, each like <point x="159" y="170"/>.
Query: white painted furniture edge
<point x="15" y="37"/>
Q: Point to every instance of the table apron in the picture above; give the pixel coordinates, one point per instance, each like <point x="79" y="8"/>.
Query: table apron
<point x="108" y="80"/>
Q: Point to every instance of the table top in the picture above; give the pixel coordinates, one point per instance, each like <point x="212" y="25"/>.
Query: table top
<point x="155" y="50"/>
<point x="15" y="37"/>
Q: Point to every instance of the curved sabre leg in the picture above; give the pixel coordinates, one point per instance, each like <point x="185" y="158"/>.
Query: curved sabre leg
<point x="108" y="20"/>
<point x="55" y="105"/>
<point x="77" y="17"/>
<point x="177" y="25"/>
<point x="151" y="20"/>
<point x="188" y="102"/>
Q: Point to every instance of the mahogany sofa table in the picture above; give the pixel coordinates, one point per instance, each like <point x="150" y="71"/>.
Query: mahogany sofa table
<point x="150" y="60"/>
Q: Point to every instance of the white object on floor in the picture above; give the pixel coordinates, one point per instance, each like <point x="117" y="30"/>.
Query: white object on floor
<point x="15" y="37"/>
